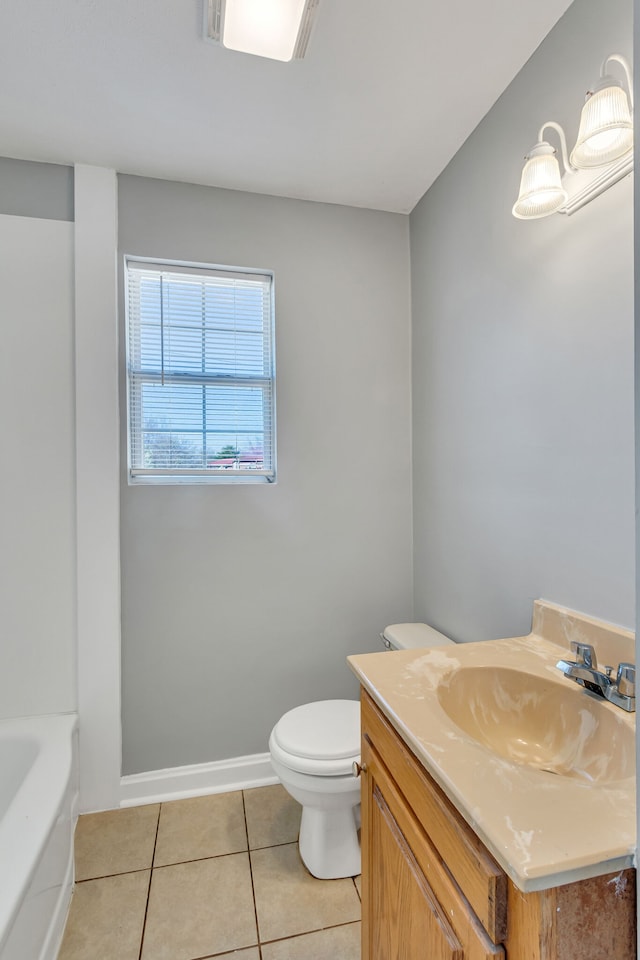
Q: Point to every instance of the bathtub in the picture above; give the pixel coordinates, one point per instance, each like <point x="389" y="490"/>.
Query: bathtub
<point x="38" y="809"/>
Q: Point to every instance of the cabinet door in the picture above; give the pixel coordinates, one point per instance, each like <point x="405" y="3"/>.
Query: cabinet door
<point x="477" y="876"/>
<point x="402" y="919"/>
<point x="412" y="909"/>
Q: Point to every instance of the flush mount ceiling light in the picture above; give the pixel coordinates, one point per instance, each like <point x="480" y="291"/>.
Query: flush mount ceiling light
<point x="606" y="127"/>
<point x="276" y="29"/>
<point x="603" y="153"/>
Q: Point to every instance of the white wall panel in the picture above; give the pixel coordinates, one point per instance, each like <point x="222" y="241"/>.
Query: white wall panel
<point x="37" y="477"/>
<point x="98" y="503"/>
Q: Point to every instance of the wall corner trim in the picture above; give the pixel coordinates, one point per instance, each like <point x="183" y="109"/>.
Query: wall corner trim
<point x="201" y="779"/>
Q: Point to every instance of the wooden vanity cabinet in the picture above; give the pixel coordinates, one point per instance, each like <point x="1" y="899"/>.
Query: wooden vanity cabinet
<point x="432" y="891"/>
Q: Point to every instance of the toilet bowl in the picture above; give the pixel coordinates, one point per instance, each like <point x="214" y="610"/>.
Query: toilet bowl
<point x="313" y="748"/>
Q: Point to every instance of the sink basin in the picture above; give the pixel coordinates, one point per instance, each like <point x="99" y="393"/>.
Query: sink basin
<point x="549" y="726"/>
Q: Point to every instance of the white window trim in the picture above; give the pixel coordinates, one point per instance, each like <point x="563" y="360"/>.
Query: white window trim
<point x="139" y="475"/>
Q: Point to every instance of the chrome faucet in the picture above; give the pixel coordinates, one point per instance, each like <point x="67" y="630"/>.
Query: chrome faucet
<point x="584" y="671"/>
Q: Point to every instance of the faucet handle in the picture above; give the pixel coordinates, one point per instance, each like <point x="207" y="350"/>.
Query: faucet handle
<point x="626" y="679"/>
<point x="585" y="654"/>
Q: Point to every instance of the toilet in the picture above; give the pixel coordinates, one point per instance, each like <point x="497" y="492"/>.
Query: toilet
<point x="315" y="749"/>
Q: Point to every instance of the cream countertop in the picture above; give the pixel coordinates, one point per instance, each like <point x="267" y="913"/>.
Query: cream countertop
<point x="543" y="829"/>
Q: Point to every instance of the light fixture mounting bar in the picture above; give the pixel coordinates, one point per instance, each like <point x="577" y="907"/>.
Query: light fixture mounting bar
<point x="596" y="186"/>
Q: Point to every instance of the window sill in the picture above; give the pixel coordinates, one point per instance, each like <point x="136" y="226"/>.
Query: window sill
<point x="178" y="479"/>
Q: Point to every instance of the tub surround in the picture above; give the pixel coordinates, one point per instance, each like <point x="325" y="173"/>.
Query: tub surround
<point x="544" y="830"/>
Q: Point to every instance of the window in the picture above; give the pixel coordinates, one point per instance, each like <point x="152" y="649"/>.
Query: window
<point x="200" y="371"/>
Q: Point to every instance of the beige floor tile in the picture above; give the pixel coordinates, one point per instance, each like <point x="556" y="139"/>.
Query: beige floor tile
<point x="200" y="827"/>
<point x="336" y="943"/>
<point x="272" y="816"/>
<point x="115" y="841"/>
<point x="358" y="883"/>
<point x="106" y="918"/>
<point x="199" y="909"/>
<point x="290" y="901"/>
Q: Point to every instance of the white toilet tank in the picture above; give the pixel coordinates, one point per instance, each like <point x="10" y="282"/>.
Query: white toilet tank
<point x="403" y="636"/>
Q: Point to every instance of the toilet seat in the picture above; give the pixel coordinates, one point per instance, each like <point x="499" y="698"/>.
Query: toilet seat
<point x="321" y="738"/>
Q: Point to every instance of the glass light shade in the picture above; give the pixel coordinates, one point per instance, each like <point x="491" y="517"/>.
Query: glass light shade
<point x="606" y="128"/>
<point x="265" y="28"/>
<point x="541" y="190"/>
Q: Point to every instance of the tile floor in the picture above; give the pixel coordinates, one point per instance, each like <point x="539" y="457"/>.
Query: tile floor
<point x="215" y="876"/>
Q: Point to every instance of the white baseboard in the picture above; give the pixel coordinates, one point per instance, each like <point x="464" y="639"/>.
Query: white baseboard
<point x="178" y="783"/>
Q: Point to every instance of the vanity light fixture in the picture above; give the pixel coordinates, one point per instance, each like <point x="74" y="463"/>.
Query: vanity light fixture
<point x="606" y="127"/>
<point x="276" y="29"/>
<point x="603" y="153"/>
<point x="541" y="189"/>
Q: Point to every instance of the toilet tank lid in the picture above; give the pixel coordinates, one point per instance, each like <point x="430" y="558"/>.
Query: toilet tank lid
<point x="403" y="636"/>
<point x="324" y="730"/>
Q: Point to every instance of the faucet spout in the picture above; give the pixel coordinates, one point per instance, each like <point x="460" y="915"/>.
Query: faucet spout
<point x="588" y="677"/>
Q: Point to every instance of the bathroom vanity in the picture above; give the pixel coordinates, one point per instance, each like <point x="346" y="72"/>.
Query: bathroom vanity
<point x="470" y="851"/>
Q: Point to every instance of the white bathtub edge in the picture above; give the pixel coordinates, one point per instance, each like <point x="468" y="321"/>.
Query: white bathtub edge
<point x="53" y="942"/>
<point x="179" y="783"/>
<point x="36" y="839"/>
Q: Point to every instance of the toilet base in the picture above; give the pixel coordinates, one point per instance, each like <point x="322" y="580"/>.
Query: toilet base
<point x="329" y="795"/>
<point x="329" y="846"/>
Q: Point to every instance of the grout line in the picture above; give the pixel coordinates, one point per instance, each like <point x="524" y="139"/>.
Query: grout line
<point x="306" y="933"/>
<point x="175" y="863"/>
<point x="216" y="856"/>
<point x="253" y="889"/>
<point x="270" y="846"/>
<point x="107" y="876"/>
<point x="246" y="825"/>
<point x="146" y="908"/>
<point x="228" y="953"/>
<point x="357" y="891"/>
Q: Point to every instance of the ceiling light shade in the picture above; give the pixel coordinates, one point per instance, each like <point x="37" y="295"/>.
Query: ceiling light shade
<point x="541" y="190"/>
<point x="276" y="29"/>
<point x="606" y="126"/>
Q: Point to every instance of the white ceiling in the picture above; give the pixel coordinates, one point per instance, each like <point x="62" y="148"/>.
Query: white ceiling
<point x="386" y="95"/>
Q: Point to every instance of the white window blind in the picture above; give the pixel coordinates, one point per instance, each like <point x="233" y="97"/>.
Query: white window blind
<point x="200" y="366"/>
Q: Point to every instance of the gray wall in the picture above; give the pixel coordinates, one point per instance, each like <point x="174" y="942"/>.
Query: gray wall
<point x="29" y="189"/>
<point x="239" y="602"/>
<point x="523" y="368"/>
